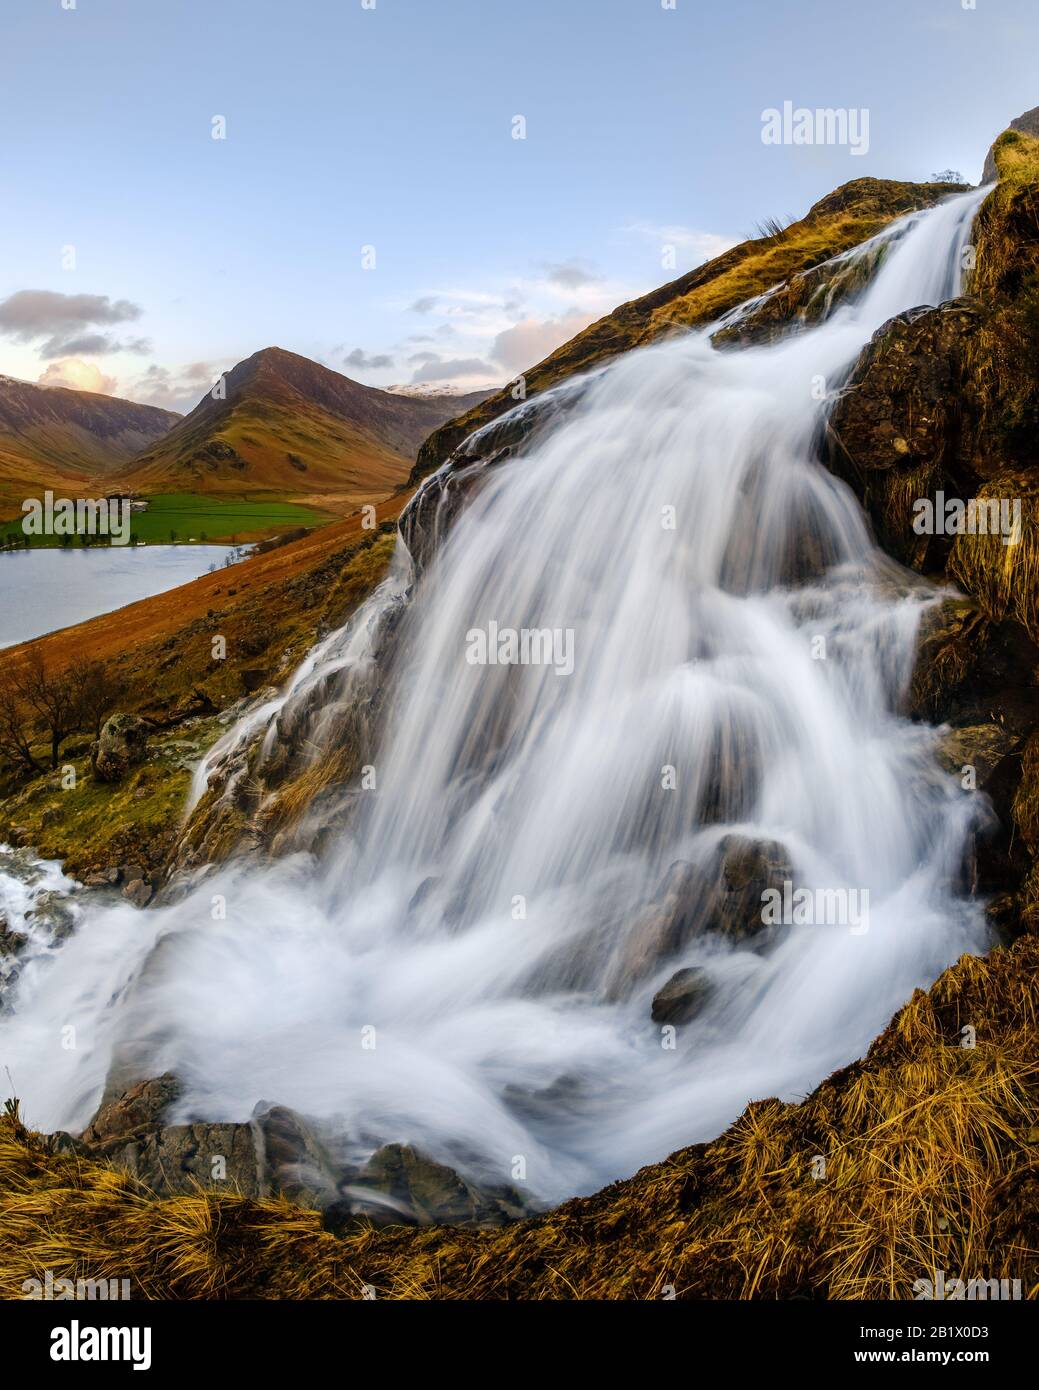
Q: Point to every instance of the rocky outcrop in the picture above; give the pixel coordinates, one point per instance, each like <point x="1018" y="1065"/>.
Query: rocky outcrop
<point x="278" y="1153"/>
<point x="122" y="745"/>
<point x="936" y="432"/>
<point x="1028" y="124"/>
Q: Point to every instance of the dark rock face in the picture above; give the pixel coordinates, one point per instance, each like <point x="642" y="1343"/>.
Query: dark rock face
<point x="682" y="998"/>
<point x="122" y="745"/>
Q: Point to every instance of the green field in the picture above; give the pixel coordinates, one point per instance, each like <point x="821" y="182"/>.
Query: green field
<point x="189" y="516"/>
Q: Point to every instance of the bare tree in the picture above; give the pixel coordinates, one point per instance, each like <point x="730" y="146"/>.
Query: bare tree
<point x="51" y="698"/>
<point x="16" y="728"/>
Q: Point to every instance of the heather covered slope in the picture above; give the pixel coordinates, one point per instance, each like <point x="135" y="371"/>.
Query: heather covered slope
<point x="288" y="425"/>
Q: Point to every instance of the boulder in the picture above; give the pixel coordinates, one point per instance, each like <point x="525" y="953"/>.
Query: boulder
<point x="723" y="897"/>
<point x="123" y="744"/>
<point x="683" y="997"/>
<point x="139" y="892"/>
<point x="137" y="1110"/>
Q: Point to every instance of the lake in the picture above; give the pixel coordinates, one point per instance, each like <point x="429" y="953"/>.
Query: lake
<point x="41" y="590"/>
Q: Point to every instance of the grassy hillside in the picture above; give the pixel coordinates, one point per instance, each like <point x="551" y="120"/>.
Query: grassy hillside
<point x="269" y="608"/>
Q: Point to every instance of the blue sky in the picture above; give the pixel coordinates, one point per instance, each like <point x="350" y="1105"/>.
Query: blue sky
<point x="391" y="127"/>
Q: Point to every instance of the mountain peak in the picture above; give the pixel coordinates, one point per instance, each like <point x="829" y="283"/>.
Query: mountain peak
<point x="286" y="423"/>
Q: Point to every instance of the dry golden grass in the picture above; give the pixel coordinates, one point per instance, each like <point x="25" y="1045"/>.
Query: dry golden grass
<point x="932" y="1162"/>
<point x="1004" y="578"/>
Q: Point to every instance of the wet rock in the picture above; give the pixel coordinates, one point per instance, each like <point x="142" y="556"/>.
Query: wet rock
<point x="723" y="897"/>
<point x="662" y="927"/>
<point x="401" y="1186"/>
<point x="749" y="869"/>
<point x="11" y="941"/>
<point x="131" y="1133"/>
<point x="123" y="744"/>
<point x="53" y="910"/>
<point x="293" y="1160"/>
<point x="422" y="894"/>
<point x="11" y="944"/>
<point x="682" y="998"/>
<point x="178" y="1159"/>
<point x="137" y="1110"/>
<point x="138" y="892"/>
<point x="274" y="1152"/>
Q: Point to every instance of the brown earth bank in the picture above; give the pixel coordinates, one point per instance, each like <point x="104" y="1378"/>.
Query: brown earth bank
<point x="923" y="1156"/>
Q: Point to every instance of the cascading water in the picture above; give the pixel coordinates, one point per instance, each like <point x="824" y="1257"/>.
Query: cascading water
<point x="493" y="919"/>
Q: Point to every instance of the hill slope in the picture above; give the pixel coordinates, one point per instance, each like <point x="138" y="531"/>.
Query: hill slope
<point x="52" y="436"/>
<point x="287" y="424"/>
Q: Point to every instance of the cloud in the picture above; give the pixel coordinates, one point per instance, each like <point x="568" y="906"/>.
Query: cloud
<point x="91" y="345"/>
<point x="359" y="358"/>
<point x="180" y="389"/>
<point x="79" y="376"/>
<point x="423" y="357"/>
<point x="453" y="368"/>
<point x="425" y="305"/>
<point x="65" y="321"/>
<point x="571" y="275"/>
<point x="532" y="339"/>
<point x="29" y="314"/>
<point x="694" y="246"/>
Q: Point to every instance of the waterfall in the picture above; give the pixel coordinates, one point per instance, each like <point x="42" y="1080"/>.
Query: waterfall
<point x="716" y="657"/>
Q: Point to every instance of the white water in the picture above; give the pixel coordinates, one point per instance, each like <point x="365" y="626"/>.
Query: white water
<point x="693" y="648"/>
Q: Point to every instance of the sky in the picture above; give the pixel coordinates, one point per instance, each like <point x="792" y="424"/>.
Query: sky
<point x="370" y="205"/>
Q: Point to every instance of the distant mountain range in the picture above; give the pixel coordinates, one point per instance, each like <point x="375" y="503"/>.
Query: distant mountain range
<point x="52" y="436"/>
<point x="281" y="424"/>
